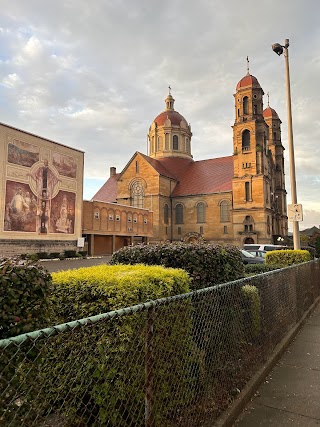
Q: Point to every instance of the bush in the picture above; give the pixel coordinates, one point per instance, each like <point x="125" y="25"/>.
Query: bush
<point x="259" y="268"/>
<point x="83" y="253"/>
<point x="24" y="289"/>
<point x="43" y="255"/>
<point x="310" y="249"/>
<point x="252" y="311"/>
<point x="70" y="253"/>
<point x="54" y="254"/>
<point x="207" y="265"/>
<point x="284" y="258"/>
<point x="96" y="359"/>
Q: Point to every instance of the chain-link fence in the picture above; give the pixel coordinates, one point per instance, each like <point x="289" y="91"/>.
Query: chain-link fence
<point x="178" y="361"/>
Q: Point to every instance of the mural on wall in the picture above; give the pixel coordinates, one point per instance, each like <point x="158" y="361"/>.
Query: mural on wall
<point x="63" y="213"/>
<point x="65" y="165"/>
<point x="39" y="205"/>
<point x="20" y="208"/>
<point x="22" y="153"/>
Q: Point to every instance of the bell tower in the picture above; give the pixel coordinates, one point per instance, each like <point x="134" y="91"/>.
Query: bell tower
<point x="252" y="183"/>
<point x="279" y="194"/>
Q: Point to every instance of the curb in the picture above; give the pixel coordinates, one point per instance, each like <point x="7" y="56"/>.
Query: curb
<point x="228" y="418"/>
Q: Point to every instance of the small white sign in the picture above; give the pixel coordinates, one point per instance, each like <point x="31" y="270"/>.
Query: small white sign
<point x="295" y="212"/>
<point x="80" y="243"/>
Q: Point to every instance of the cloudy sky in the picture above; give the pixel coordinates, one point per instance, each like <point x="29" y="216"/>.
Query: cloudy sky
<point x="94" y="74"/>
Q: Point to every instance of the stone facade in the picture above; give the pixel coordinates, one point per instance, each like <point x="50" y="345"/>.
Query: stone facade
<point x="237" y="199"/>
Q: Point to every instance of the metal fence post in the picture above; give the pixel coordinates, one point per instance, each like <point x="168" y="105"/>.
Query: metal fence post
<point x="149" y="364"/>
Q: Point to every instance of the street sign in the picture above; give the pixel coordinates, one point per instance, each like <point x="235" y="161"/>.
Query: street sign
<point x="295" y="212"/>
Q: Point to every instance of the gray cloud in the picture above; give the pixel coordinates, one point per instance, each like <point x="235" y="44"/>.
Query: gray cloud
<point x="93" y="75"/>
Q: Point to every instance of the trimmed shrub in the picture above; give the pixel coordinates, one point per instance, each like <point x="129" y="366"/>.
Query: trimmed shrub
<point x="54" y="254"/>
<point x="93" y="363"/>
<point x="43" y="255"/>
<point x="252" y="311"/>
<point x="70" y="253"/>
<point x="83" y="253"/>
<point x="24" y="289"/>
<point x="251" y="269"/>
<point x="206" y="264"/>
<point x="310" y="249"/>
<point x="287" y="257"/>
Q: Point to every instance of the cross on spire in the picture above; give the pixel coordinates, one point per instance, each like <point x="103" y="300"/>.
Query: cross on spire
<point x="268" y="99"/>
<point x="169" y="87"/>
<point x="248" y="65"/>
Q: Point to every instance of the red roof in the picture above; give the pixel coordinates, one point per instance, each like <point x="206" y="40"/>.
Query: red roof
<point x="108" y="192"/>
<point x="206" y="177"/>
<point x="270" y="113"/>
<point x="201" y="177"/>
<point x="174" y="116"/>
<point x="248" y="80"/>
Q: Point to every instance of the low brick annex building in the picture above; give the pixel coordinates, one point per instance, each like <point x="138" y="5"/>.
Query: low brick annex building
<point x="236" y="199"/>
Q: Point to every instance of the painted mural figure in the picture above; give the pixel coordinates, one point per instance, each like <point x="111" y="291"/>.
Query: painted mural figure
<point x="18" y="203"/>
<point x="63" y="224"/>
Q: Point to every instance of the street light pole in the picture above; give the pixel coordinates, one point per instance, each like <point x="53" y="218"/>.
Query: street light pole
<point x="279" y="49"/>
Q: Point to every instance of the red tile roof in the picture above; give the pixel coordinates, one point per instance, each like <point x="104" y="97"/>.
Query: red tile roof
<point x="248" y="80"/>
<point x="174" y="116"/>
<point x="205" y="177"/>
<point x="108" y="192"/>
<point x="201" y="177"/>
<point x="270" y="112"/>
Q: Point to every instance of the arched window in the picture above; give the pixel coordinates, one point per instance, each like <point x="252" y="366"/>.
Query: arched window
<point x="179" y="213"/>
<point x="245" y="105"/>
<point x="137" y="193"/>
<point x="246" y="140"/>
<point x="175" y="142"/>
<point x="225" y="211"/>
<point x="166" y="214"/>
<point x="201" y="212"/>
<point x="159" y="143"/>
<point x="248" y="224"/>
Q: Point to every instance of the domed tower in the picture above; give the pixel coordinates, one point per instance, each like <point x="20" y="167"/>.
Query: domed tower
<point x="170" y="134"/>
<point x="278" y="197"/>
<point x="252" y="183"/>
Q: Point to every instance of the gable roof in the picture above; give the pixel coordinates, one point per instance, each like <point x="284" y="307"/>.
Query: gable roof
<point x="205" y="177"/>
<point x="200" y="177"/>
<point x="109" y="191"/>
<point x="193" y="177"/>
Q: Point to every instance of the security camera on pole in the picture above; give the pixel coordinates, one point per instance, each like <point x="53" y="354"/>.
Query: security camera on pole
<point x="294" y="210"/>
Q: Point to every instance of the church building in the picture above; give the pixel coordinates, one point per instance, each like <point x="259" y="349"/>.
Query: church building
<point x="236" y="199"/>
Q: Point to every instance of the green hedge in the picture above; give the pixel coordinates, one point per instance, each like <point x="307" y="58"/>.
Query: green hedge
<point x="24" y="289"/>
<point x="251" y="269"/>
<point x="284" y="258"/>
<point x="97" y="370"/>
<point x="206" y="264"/>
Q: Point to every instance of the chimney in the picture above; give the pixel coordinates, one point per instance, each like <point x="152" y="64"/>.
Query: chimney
<point x="113" y="171"/>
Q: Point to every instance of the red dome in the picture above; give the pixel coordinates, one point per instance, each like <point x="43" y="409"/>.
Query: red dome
<point x="270" y="113"/>
<point x="248" y="80"/>
<point x="174" y="116"/>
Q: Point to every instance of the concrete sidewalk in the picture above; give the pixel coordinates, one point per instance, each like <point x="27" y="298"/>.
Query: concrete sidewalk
<point x="290" y="395"/>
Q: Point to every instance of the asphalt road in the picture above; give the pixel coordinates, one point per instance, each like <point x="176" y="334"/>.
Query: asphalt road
<point x="71" y="264"/>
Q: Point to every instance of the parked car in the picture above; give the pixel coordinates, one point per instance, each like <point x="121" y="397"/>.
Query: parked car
<point x="248" y="258"/>
<point x="258" y="253"/>
<point x="263" y="247"/>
